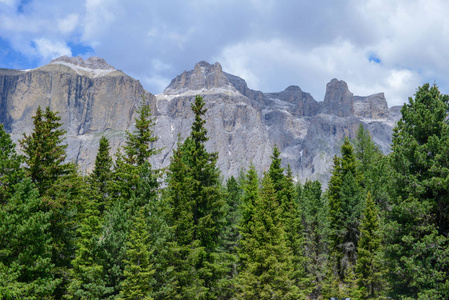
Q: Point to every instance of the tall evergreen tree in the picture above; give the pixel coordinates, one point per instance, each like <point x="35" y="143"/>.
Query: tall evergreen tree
<point x="229" y="237"/>
<point x="131" y="187"/>
<point x="291" y="216"/>
<point x="59" y="185"/>
<point x="196" y="212"/>
<point x="26" y="269"/>
<point x="345" y="204"/>
<point x="372" y="166"/>
<point x="10" y="171"/>
<point x="418" y="223"/>
<point x="268" y="272"/>
<point x="101" y="174"/>
<point x="138" y="150"/>
<point x="139" y="144"/>
<point x="249" y="198"/>
<point x="44" y="152"/>
<point x="87" y="272"/>
<point x="370" y="269"/>
<point x="315" y="224"/>
<point x="138" y="268"/>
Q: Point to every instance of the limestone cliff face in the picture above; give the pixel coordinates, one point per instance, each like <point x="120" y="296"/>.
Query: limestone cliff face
<point x="95" y="99"/>
<point x="244" y="125"/>
<point x="90" y="102"/>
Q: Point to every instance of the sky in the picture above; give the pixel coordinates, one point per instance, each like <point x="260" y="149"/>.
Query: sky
<point x="388" y="46"/>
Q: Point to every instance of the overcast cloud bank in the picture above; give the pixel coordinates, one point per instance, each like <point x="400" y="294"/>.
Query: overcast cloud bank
<point x="375" y="46"/>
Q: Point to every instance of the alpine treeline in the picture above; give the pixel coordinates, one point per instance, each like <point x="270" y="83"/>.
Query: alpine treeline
<point x="127" y="231"/>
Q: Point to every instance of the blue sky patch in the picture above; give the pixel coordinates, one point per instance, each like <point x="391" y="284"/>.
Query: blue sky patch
<point x="22" y="5"/>
<point x="80" y="49"/>
<point x="12" y="59"/>
<point x="374" y="58"/>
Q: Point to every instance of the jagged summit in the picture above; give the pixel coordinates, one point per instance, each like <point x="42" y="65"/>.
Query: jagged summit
<point x="204" y="76"/>
<point x="94" y="63"/>
<point x="92" y="67"/>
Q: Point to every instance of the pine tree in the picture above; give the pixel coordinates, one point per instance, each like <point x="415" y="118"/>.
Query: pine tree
<point x="139" y="144"/>
<point x="138" y="269"/>
<point x="230" y="236"/>
<point x="44" y="154"/>
<point x="417" y="230"/>
<point x="101" y="174"/>
<point x="372" y="166"/>
<point x="131" y="186"/>
<point x="268" y="270"/>
<point x="369" y="268"/>
<point x="276" y="172"/>
<point x="26" y="270"/>
<point x="314" y="218"/>
<point x="10" y="171"/>
<point x="291" y="217"/>
<point x="196" y="211"/>
<point x="345" y="205"/>
<point x="112" y="246"/>
<point x="250" y="196"/>
<point x="87" y="272"/>
<point x="138" y="150"/>
<point x="59" y="185"/>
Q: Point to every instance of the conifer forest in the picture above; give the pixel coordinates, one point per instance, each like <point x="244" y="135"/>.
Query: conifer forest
<point x="128" y="231"/>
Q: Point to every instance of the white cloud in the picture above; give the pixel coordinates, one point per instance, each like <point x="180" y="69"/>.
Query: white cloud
<point x="265" y="62"/>
<point x="269" y="44"/>
<point x="68" y="24"/>
<point x="51" y="49"/>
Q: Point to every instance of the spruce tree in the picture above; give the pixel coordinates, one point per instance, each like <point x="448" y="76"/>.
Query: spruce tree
<point x="196" y="211"/>
<point x="372" y="166"/>
<point x="250" y="196"/>
<point x="370" y="269"/>
<point x="26" y="269"/>
<point x="138" y="269"/>
<point x="268" y="272"/>
<point x="139" y="144"/>
<point x="417" y="245"/>
<point x="229" y="237"/>
<point x="291" y="217"/>
<point x="138" y="149"/>
<point x="315" y="224"/>
<point x="44" y="152"/>
<point x="59" y="185"/>
<point x="345" y="204"/>
<point x="100" y="177"/>
<point x="10" y="171"/>
<point x="131" y="187"/>
<point x="87" y="272"/>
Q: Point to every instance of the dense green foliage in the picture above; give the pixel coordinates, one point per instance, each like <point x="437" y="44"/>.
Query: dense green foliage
<point x="127" y="231"/>
<point x="418" y="223"/>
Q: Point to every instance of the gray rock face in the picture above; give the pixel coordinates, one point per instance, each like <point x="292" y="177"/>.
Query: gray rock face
<point x="371" y="107"/>
<point x="95" y="99"/>
<point x="94" y="63"/>
<point x="90" y="104"/>
<point x="338" y="100"/>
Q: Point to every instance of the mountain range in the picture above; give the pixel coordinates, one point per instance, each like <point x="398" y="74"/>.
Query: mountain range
<point x="94" y="99"/>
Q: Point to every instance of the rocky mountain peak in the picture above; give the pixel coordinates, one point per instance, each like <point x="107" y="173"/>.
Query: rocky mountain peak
<point x="338" y="100"/>
<point x="93" y="63"/>
<point x="204" y="76"/>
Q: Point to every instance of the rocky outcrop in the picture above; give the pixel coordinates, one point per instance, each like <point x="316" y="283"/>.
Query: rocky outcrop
<point x="95" y="99"/>
<point x="338" y="100"/>
<point x="371" y="107"/>
<point x="91" y="102"/>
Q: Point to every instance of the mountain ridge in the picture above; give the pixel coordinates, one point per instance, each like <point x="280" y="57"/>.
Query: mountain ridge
<point x="93" y="98"/>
